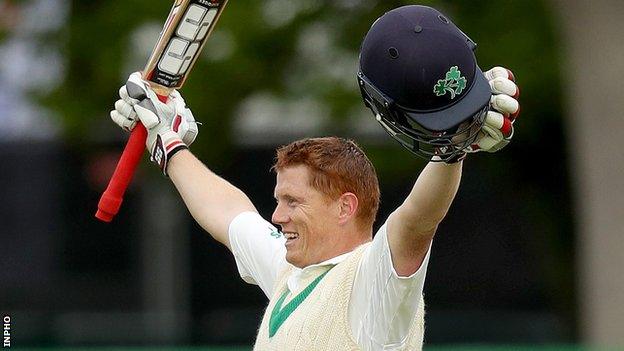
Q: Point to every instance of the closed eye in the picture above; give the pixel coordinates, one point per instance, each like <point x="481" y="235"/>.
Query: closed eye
<point x="290" y="200"/>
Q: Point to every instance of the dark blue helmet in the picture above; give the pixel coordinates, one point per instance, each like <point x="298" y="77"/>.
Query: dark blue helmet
<point x="419" y="76"/>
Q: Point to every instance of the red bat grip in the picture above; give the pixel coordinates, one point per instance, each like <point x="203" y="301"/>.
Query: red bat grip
<point x="113" y="195"/>
<point x="111" y="199"/>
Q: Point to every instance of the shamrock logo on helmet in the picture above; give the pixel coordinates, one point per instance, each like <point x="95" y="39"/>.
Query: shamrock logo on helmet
<point x="453" y="83"/>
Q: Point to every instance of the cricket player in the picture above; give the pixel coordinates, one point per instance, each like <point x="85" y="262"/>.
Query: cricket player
<point x="331" y="283"/>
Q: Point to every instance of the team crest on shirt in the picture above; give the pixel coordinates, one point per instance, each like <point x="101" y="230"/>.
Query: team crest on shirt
<point x="275" y="233"/>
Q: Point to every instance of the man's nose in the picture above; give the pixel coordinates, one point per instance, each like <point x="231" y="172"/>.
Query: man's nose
<point x="280" y="216"/>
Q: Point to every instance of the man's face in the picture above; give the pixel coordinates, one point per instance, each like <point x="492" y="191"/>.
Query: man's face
<point x="308" y="218"/>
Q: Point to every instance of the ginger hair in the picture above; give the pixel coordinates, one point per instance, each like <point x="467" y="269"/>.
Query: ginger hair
<point x="337" y="166"/>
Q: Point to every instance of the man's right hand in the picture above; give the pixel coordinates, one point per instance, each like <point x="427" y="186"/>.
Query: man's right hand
<point x="171" y="126"/>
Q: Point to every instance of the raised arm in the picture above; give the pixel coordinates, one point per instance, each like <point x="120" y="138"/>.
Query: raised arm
<point x="212" y="200"/>
<point x="412" y="225"/>
<point x="171" y="127"/>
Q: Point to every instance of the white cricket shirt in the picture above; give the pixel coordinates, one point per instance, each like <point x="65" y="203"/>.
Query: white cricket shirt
<point x="382" y="303"/>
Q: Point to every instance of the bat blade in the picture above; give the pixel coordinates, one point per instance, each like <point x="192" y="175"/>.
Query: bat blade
<point x="181" y="41"/>
<point x="188" y="26"/>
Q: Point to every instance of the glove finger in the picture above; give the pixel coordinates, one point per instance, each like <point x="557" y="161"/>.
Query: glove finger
<point x="175" y="95"/>
<point x="190" y="126"/>
<point x="498" y="71"/>
<point x="185" y="126"/>
<point x="125" y="109"/>
<point x="148" y="114"/>
<point x="123" y="94"/>
<point x="122" y="121"/>
<point x="493" y="144"/>
<point x="500" y="85"/>
<point x="475" y="146"/>
<point x="188" y="116"/>
<point x="486" y="143"/>
<point x="184" y="122"/>
<point x="189" y="137"/>
<point x="176" y="102"/>
<point x="499" y="123"/>
<point x="505" y="104"/>
<point x="135" y="87"/>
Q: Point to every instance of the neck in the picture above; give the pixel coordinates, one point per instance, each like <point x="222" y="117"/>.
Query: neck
<point x="349" y="243"/>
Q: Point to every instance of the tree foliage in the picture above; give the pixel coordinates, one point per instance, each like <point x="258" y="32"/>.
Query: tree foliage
<point x="267" y="42"/>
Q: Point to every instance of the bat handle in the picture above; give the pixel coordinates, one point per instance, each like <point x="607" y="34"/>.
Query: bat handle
<point x="111" y="199"/>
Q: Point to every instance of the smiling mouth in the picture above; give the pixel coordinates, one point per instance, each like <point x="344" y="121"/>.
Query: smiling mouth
<point x="290" y="237"/>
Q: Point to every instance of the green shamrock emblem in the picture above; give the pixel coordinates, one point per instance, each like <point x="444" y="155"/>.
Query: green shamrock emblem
<point x="454" y="83"/>
<point x="275" y="233"/>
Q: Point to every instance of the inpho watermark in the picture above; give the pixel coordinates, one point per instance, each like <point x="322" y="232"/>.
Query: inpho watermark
<point x="6" y="332"/>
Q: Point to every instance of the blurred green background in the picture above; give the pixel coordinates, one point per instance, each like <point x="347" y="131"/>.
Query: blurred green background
<point x="504" y="265"/>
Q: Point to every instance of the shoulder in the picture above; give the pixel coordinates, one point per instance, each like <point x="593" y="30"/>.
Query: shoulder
<point x="258" y="249"/>
<point x="250" y="226"/>
<point x="377" y="259"/>
<point x="252" y="220"/>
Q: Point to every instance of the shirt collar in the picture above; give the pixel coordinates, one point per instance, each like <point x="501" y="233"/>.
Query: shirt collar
<point x="300" y="275"/>
<point x="332" y="261"/>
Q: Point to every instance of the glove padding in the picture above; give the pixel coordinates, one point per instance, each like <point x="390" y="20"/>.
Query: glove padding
<point x="171" y="126"/>
<point x="497" y="129"/>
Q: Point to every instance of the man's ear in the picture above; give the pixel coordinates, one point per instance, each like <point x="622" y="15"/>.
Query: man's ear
<point x="348" y="205"/>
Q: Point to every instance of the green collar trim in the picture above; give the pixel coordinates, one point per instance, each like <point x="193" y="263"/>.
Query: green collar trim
<point x="279" y="314"/>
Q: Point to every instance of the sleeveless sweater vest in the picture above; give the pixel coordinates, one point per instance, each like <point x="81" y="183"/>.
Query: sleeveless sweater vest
<point x="319" y="320"/>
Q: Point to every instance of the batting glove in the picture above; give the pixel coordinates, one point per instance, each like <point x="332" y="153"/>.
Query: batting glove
<point x="171" y="126"/>
<point x="498" y="128"/>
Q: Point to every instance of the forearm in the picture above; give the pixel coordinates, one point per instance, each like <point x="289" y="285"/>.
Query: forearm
<point x="431" y="197"/>
<point x="211" y="200"/>
<point x="412" y="226"/>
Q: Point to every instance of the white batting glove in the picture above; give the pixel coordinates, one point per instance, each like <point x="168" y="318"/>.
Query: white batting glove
<point x="497" y="129"/>
<point x="171" y="126"/>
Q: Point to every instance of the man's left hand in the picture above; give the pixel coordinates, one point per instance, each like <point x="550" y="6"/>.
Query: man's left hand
<point x="498" y="129"/>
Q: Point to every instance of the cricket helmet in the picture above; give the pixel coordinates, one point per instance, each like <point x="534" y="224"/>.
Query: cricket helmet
<point x="419" y="76"/>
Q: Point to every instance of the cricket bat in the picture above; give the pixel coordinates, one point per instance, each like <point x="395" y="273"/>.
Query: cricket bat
<point x="189" y="24"/>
